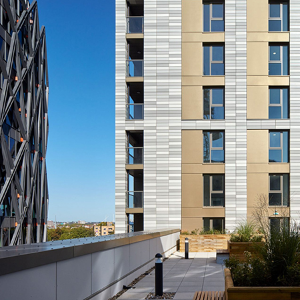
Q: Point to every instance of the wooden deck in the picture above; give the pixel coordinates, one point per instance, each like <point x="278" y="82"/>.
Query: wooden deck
<point x="209" y="296"/>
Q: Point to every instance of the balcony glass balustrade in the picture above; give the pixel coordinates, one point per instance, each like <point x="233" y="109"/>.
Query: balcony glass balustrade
<point x="135" y="24"/>
<point x="135" y="68"/>
<point x="135" y="155"/>
<point x="135" y="199"/>
<point x="135" y="111"/>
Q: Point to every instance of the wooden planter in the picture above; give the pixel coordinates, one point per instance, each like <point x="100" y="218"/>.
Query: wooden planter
<point x="238" y="248"/>
<point x="205" y="242"/>
<point x="258" y="293"/>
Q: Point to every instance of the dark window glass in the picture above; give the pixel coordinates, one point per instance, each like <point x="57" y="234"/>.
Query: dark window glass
<point x="206" y="103"/>
<point x="206" y="224"/>
<point x="217" y="181"/>
<point x="275" y="53"/>
<point x="206" y="190"/>
<point x="213" y="17"/>
<point x="217" y="113"/>
<point x="217" y="96"/>
<point x="217" y="53"/>
<point x="217" y="156"/>
<point x="275" y="199"/>
<point x="286" y="189"/>
<point x="217" y="25"/>
<point x="275" y="96"/>
<point x="217" y="224"/>
<point x="275" y="139"/>
<point x="217" y="139"/>
<point x="275" y="182"/>
<point x="274" y="10"/>
<point x="206" y="13"/>
<point x="217" y="11"/>
<point x="206" y="60"/>
<point x="274" y="112"/>
<point x="206" y="147"/>
<point x="285" y="60"/>
<point x="285" y="16"/>
<point x="213" y="104"/>
<point x="274" y="25"/>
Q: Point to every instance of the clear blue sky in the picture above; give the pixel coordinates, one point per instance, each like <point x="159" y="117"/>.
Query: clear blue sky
<point x="80" y="157"/>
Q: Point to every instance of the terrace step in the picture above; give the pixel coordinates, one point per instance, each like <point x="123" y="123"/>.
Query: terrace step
<point x="209" y="296"/>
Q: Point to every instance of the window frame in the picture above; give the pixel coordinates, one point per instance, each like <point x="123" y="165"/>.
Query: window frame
<point x="211" y="148"/>
<point x="211" y="105"/>
<point x="211" y="191"/>
<point x="281" y="61"/>
<point x="211" y="18"/>
<point x="281" y="146"/>
<point x="280" y="191"/>
<point x="211" y="61"/>
<point x="281" y="104"/>
<point x="278" y="18"/>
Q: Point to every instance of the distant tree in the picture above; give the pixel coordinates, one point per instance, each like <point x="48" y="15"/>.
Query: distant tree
<point x="69" y="233"/>
<point x="102" y="224"/>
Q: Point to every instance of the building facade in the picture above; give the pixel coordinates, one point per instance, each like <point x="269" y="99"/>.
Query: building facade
<point x="207" y="113"/>
<point x="24" y="124"/>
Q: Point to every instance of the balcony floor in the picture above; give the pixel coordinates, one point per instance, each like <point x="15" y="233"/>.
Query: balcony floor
<point x="183" y="277"/>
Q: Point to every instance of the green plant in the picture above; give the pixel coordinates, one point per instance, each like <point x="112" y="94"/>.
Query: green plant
<point x="184" y="233"/>
<point x="195" y="231"/>
<point x="243" y="233"/>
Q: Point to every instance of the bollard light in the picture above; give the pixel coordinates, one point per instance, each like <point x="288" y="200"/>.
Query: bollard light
<point x="186" y="248"/>
<point x="158" y="275"/>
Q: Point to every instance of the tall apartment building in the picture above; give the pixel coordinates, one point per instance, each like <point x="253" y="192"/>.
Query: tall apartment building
<point x="207" y="112"/>
<point x="24" y="124"/>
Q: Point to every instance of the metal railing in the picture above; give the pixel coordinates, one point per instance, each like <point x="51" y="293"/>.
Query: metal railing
<point x="135" y="155"/>
<point x="135" y="68"/>
<point x="135" y="199"/>
<point x="135" y="111"/>
<point x="135" y="25"/>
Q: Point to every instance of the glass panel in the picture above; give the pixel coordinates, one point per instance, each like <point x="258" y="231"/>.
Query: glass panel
<point x="217" y="53"/>
<point x="206" y="17"/>
<point x="275" y="139"/>
<point x="135" y="155"/>
<point x="135" y="111"/>
<point x="217" y="11"/>
<point x="217" y="96"/>
<point x="275" y="199"/>
<point x="275" y="96"/>
<point x="285" y="146"/>
<point x="274" y="25"/>
<point x="217" y="156"/>
<point x="275" y="10"/>
<point x="285" y="17"/>
<point x="217" y="183"/>
<point x="206" y="104"/>
<point x="135" y="68"/>
<point x="275" y="182"/>
<point x="275" y="112"/>
<point x="285" y="60"/>
<point x="206" y="147"/>
<point x="274" y="155"/>
<point x="285" y="189"/>
<point x="275" y="53"/>
<point x="206" y="224"/>
<point x="206" y="61"/>
<point x="206" y="190"/>
<point x="217" y="139"/>
<point x="217" y="69"/>
<point x="135" y="25"/>
<point x="285" y="103"/>
<point x="275" y="225"/>
<point x="217" y="224"/>
<point x="217" y="113"/>
<point x="217" y="25"/>
<point x="217" y="199"/>
<point x="274" y="68"/>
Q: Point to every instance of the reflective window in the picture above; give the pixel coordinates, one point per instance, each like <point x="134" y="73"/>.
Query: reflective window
<point x="213" y="17"/>
<point x="278" y="103"/>
<point x="278" y="59"/>
<point x="278" y="16"/>
<point x="213" y="147"/>
<point x="214" y="190"/>
<point x="279" y="190"/>
<point x="213" y="103"/>
<point x="279" y="146"/>
<point x="213" y="60"/>
<point x="215" y="224"/>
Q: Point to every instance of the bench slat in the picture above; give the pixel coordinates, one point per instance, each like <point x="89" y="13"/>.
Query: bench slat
<point x="209" y="295"/>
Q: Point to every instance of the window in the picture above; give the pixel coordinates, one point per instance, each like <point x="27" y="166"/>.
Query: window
<point x="214" y="224"/>
<point x="279" y="190"/>
<point x="213" y="59"/>
<point x="214" y="190"/>
<point x="278" y="103"/>
<point x="276" y="224"/>
<point x="213" y="147"/>
<point x="213" y="16"/>
<point x="279" y="146"/>
<point x="213" y="103"/>
<point x="278" y="16"/>
<point x="278" y="59"/>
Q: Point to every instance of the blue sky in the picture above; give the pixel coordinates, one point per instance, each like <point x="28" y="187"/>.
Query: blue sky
<point x="80" y="156"/>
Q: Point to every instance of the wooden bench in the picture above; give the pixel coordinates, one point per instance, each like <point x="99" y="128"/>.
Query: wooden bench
<point x="209" y="296"/>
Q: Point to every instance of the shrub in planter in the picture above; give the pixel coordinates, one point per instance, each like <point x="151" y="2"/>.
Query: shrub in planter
<point x="245" y="233"/>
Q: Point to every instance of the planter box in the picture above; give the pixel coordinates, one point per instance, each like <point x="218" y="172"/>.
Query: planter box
<point x="238" y="248"/>
<point x="205" y="242"/>
<point x="258" y="293"/>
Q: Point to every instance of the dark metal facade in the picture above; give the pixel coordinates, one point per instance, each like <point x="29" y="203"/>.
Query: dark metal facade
<point x="24" y="124"/>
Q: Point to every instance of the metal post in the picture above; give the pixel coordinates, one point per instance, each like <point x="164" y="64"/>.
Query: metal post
<point x="186" y="248"/>
<point x="158" y="275"/>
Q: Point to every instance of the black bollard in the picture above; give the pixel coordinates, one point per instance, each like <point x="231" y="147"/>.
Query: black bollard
<point x="158" y="275"/>
<point x="186" y="248"/>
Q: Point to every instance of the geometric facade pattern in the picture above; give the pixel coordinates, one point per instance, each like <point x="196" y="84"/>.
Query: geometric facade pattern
<point x="24" y="124"/>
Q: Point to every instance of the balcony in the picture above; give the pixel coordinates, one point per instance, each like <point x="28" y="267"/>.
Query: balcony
<point x="135" y="111"/>
<point x="135" y="25"/>
<point x="135" y="199"/>
<point x="135" y="68"/>
<point x="135" y="155"/>
<point x="135" y="101"/>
